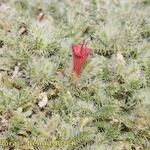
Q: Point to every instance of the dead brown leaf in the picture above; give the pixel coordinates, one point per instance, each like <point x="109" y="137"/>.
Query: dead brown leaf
<point x="40" y="15"/>
<point x="23" y="29"/>
<point x="4" y="121"/>
<point x="43" y="100"/>
<point x="15" y="72"/>
<point x="4" y="25"/>
<point x="3" y="124"/>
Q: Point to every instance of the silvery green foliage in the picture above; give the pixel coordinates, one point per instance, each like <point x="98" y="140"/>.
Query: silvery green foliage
<point x="108" y="106"/>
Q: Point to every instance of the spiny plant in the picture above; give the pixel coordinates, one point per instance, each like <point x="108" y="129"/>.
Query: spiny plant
<point x="107" y="106"/>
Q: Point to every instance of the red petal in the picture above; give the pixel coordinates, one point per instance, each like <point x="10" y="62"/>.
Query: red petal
<point x="80" y="54"/>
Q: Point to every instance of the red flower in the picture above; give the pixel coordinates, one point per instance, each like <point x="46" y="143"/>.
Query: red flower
<point x="80" y="55"/>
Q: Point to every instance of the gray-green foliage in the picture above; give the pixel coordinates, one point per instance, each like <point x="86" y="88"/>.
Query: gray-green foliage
<point x="108" y="106"/>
